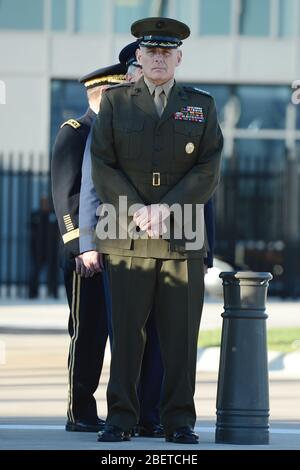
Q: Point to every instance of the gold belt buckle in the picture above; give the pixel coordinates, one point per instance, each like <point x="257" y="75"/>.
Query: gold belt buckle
<point x="155" y="179"/>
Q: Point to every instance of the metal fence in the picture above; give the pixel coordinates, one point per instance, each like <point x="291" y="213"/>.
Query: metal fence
<point x="257" y="219"/>
<point x="28" y="228"/>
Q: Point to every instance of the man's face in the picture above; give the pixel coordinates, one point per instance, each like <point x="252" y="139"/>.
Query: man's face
<point x="158" y="63"/>
<point x="94" y="97"/>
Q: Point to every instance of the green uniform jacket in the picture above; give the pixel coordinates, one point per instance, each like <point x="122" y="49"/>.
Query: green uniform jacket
<point x="151" y="159"/>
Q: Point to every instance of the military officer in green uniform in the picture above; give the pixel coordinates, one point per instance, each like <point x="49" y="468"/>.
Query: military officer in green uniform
<point x="157" y="146"/>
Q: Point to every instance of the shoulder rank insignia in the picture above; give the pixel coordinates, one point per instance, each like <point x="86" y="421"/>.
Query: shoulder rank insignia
<point x="190" y="113"/>
<point x="197" y="90"/>
<point x="118" y="85"/>
<point x="72" y="122"/>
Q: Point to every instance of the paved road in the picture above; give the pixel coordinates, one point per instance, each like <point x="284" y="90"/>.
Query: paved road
<point x="33" y="384"/>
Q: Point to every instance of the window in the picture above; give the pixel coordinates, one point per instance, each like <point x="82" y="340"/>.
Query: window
<point x="22" y="15"/>
<point x="298" y="116"/>
<point x="182" y="12"/>
<point x="215" y="17"/>
<point x="68" y="101"/>
<point x="58" y="15"/>
<point x="255" y="17"/>
<point x="89" y="16"/>
<point x="128" y="11"/>
<point x="286" y="18"/>
<point x="221" y="94"/>
<point x="259" y="155"/>
<point x="263" y="107"/>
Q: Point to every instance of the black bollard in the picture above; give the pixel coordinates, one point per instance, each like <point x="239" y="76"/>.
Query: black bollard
<point x="243" y="386"/>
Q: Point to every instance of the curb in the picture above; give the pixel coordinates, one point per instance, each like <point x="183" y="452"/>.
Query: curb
<point x="283" y="363"/>
<point x="207" y="358"/>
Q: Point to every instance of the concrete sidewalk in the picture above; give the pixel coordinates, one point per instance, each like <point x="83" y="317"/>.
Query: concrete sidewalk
<point x="46" y="317"/>
<point x="33" y="402"/>
<point x="42" y="436"/>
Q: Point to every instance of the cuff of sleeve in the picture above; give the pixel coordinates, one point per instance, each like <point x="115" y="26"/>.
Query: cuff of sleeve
<point x="87" y="243"/>
<point x="69" y="236"/>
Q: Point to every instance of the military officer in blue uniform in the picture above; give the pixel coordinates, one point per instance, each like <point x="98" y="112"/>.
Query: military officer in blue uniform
<point x="87" y="326"/>
<point x="156" y="144"/>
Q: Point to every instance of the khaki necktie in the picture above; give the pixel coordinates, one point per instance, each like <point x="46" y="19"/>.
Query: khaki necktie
<point x="159" y="99"/>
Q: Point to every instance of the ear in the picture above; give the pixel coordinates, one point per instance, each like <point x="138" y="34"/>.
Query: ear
<point x="178" y="57"/>
<point x="138" y="54"/>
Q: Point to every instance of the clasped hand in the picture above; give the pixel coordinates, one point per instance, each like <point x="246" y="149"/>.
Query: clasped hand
<point x="151" y="219"/>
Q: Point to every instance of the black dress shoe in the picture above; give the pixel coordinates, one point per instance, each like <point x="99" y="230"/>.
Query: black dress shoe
<point x="151" y="430"/>
<point x="112" y="433"/>
<point x="82" y="426"/>
<point x="184" y="435"/>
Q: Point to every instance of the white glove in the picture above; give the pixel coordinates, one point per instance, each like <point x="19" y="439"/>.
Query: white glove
<point x="156" y="230"/>
<point x="151" y="217"/>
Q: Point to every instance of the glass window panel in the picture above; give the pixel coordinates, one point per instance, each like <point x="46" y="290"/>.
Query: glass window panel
<point x="183" y="13"/>
<point x="215" y="17"/>
<point x="59" y="15"/>
<point x="128" y="11"/>
<point x="298" y="117"/>
<point x="89" y="16"/>
<point x="286" y="18"/>
<point x="255" y="17"/>
<point x="255" y="155"/>
<point x="20" y="14"/>
<point x="263" y="107"/>
<point x="68" y="100"/>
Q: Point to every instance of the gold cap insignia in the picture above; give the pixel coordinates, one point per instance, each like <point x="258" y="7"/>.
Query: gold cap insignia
<point x="189" y="148"/>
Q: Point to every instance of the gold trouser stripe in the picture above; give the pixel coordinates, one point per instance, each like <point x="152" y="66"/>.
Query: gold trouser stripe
<point x="67" y="237"/>
<point x="70" y="346"/>
<point x="75" y="319"/>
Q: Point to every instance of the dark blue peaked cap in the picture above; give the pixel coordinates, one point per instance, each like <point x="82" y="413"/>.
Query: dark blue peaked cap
<point x="127" y="54"/>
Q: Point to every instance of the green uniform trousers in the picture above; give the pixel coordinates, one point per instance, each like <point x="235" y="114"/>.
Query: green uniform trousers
<point x="174" y="289"/>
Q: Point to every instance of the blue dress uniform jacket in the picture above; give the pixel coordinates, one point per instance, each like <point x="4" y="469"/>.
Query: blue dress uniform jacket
<point x="66" y="165"/>
<point x="89" y="201"/>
